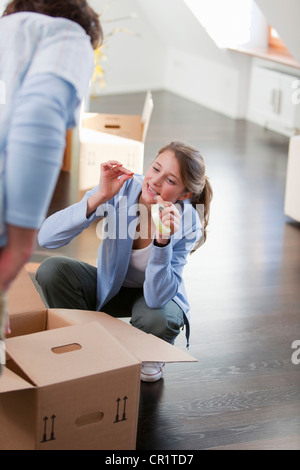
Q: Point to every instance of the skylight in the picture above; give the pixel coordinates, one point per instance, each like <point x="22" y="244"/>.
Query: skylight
<point x="228" y="22"/>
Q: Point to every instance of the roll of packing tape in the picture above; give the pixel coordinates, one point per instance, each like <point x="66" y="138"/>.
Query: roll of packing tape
<point x="155" y="212"/>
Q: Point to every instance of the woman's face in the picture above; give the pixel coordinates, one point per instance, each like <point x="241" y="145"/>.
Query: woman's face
<point x="163" y="178"/>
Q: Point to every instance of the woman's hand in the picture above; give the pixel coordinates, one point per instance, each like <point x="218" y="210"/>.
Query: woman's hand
<point x="170" y="217"/>
<point x="112" y="177"/>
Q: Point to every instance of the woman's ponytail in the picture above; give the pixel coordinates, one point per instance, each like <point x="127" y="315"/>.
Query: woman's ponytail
<point x="201" y="202"/>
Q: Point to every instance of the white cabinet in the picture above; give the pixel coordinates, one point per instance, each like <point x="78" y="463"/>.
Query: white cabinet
<point x="272" y="102"/>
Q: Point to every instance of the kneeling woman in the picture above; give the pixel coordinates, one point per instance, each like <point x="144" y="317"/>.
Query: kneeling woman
<point x="140" y="263"/>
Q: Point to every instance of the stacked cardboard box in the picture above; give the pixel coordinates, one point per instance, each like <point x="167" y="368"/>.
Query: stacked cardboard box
<point x="104" y="137"/>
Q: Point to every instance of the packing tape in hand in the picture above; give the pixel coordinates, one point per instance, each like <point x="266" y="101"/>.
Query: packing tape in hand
<point x="155" y="212"/>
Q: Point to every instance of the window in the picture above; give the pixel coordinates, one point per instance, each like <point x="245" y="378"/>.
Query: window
<point x="228" y="23"/>
<point x="275" y="41"/>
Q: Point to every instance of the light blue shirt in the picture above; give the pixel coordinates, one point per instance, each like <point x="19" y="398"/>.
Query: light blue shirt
<point x="45" y="67"/>
<point x="163" y="276"/>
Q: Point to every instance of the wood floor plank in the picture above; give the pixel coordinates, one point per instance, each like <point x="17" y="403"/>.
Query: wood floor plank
<point x="287" y="443"/>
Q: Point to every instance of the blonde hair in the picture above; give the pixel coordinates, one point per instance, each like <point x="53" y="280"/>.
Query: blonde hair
<point x="193" y="176"/>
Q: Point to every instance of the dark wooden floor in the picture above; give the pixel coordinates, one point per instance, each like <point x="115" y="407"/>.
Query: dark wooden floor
<point x="243" y="285"/>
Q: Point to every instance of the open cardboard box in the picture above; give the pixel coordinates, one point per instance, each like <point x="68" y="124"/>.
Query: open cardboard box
<point x="104" y="137"/>
<point x="72" y="378"/>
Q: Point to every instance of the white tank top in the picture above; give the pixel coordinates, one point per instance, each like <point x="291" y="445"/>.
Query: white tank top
<point x="136" y="270"/>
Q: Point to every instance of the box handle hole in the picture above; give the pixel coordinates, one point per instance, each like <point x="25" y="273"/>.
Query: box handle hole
<point x="112" y="126"/>
<point x="89" y="418"/>
<point x="66" y="348"/>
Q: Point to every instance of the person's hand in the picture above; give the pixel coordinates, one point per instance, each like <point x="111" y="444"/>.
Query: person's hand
<point x="170" y="218"/>
<point x="112" y="177"/>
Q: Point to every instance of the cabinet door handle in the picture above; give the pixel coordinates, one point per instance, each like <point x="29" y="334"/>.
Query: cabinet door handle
<point x="273" y="93"/>
<point x="277" y="103"/>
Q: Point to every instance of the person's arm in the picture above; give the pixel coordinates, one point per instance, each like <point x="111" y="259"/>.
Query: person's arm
<point x="19" y="247"/>
<point x="60" y="228"/>
<point x="34" y="153"/>
<point x="35" y="147"/>
<point x="164" y="273"/>
<point x="112" y="177"/>
<point x="165" y="267"/>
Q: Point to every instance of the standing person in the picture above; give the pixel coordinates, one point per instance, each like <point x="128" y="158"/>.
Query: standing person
<point x="46" y="63"/>
<point x="140" y="265"/>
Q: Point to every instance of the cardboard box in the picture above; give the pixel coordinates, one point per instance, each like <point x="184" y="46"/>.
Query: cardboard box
<point x="106" y="137"/>
<point x="72" y="379"/>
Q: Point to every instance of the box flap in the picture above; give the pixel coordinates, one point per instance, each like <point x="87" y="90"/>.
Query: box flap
<point x="146" y="116"/>
<point x="23" y="296"/>
<point x="27" y="312"/>
<point x="25" y="323"/>
<point x="122" y="125"/>
<point x="90" y="136"/>
<point x="98" y="147"/>
<point x="145" y="347"/>
<point x="68" y="353"/>
<point x="128" y="126"/>
<point x="11" y="382"/>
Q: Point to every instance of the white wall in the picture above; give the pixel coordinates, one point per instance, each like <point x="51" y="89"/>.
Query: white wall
<point x="173" y="52"/>
<point x="220" y="87"/>
<point x="2" y="5"/>
<point x="134" y="63"/>
<point x="176" y="53"/>
<point x="196" y="68"/>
